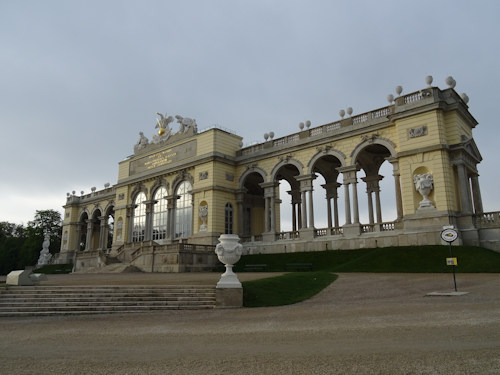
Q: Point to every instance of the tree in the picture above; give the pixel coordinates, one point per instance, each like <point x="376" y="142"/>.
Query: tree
<point x="20" y="246"/>
<point x="11" y="241"/>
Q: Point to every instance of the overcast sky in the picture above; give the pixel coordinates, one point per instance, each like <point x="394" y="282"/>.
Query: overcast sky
<point x="80" y="79"/>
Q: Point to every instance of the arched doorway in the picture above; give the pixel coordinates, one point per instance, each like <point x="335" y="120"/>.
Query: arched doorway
<point x="252" y="206"/>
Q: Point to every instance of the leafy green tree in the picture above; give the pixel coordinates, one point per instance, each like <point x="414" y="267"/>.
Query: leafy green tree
<point x="12" y="237"/>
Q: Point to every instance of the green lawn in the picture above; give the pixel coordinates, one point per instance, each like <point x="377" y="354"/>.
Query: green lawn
<point x="285" y="290"/>
<point x="410" y="259"/>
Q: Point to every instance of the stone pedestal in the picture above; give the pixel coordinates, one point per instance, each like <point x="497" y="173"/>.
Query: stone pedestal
<point x="19" y="277"/>
<point x="229" y="292"/>
<point x="228" y="297"/>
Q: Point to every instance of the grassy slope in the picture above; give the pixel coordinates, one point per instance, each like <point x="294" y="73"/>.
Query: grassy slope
<point x="412" y="259"/>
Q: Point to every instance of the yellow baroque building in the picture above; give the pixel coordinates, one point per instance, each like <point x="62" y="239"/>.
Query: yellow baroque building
<point x="180" y="190"/>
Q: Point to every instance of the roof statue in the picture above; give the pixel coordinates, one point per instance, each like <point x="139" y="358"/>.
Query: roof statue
<point x="141" y="143"/>
<point x="186" y="123"/>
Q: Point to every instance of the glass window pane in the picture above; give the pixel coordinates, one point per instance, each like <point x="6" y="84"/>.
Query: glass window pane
<point x="139" y="221"/>
<point x="160" y="215"/>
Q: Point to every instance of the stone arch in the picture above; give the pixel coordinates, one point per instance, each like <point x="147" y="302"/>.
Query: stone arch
<point x="249" y="171"/>
<point x="371" y="140"/>
<point x="251" y="202"/>
<point x="286" y="161"/>
<point x="110" y="207"/>
<point x="372" y="156"/>
<point x="182" y="176"/>
<point x="96" y="208"/>
<point x="325" y="152"/>
<point x="138" y="188"/>
<point x="159" y="182"/>
<point x="82" y="213"/>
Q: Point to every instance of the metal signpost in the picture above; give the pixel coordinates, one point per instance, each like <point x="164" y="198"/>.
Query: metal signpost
<point x="449" y="234"/>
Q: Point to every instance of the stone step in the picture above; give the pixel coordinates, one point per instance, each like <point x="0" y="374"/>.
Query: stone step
<point x="50" y="300"/>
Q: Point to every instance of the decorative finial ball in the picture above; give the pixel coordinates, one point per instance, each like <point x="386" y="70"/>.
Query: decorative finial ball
<point x="349" y="110"/>
<point x="266" y="136"/>
<point x="399" y="90"/>
<point x="308" y="123"/>
<point x="465" y="97"/>
<point x="106" y="185"/>
<point x="67" y="194"/>
<point x="450" y="82"/>
<point x="93" y="189"/>
<point x="429" y="80"/>
<point x="161" y="131"/>
<point x="73" y="192"/>
<point x="82" y="192"/>
<point x="271" y="135"/>
<point x="301" y="125"/>
<point x="390" y="98"/>
<point x="240" y="144"/>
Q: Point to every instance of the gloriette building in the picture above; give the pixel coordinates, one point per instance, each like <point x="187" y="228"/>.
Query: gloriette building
<point x="182" y="188"/>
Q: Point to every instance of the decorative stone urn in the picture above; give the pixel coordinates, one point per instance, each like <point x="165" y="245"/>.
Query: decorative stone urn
<point x="424" y="183"/>
<point x="229" y="252"/>
<point x="203" y="217"/>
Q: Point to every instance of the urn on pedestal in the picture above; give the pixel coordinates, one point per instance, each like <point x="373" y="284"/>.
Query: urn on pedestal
<point x="229" y="252"/>
<point x="424" y="183"/>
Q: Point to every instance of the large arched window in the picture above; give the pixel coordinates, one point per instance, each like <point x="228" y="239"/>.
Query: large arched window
<point x="139" y="226"/>
<point x="228" y="219"/>
<point x="160" y="218"/>
<point x="183" y="210"/>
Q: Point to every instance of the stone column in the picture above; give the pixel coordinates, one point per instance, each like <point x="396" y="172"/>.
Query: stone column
<point x="311" y="208"/>
<point x="349" y="178"/>
<point x="378" y="206"/>
<point x="170" y="216"/>
<point x="464" y="188"/>
<point x="476" y="194"/>
<point x="149" y="219"/>
<point x="355" y="205"/>
<point x="90" y="227"/>
<point x="240" y="197"/>
<point x="331" y="194"/>
<point x="103" y="233"/>
<point x="373" y="188"/>
<point x="295" y="194"/>
<point x="397" y="187"/>
<point x="347" y="203"/>
<point x="78" y="236"/>
<point x="270" y="205"/>
<point x="306" y="188"/>
<point x="296" y="203"/>
<point x="303" y="210"/>
<point x="370" y="206"/>
<point x="336" y="208"/>
<point x="130" y="218"/>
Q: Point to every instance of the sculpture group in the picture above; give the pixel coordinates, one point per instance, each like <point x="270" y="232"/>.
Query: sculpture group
<point x="165" y="131"/>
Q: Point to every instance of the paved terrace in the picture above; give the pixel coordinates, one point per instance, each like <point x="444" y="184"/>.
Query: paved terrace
<point x="361" y="324"/>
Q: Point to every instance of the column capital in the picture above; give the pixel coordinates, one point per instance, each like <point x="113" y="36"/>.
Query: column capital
<point x="306" y="181"/>
<point x="349" y="173"/>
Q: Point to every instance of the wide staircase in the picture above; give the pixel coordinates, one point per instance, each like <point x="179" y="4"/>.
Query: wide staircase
<point x="67" y="300"/>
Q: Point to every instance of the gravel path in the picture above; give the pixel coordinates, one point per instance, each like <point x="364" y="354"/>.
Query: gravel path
<point x="361" y="324"/>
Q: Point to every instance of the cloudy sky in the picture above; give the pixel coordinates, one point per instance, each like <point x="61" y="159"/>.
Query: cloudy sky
<point x="80" y="79"/>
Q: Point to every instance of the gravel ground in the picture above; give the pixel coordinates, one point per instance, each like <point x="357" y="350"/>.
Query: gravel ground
<point x="361" y="324"/>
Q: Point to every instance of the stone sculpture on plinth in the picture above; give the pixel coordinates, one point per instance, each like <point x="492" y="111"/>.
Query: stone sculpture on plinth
<point x="45" y="254"/>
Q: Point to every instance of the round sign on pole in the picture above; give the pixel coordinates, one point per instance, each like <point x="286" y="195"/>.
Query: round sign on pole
<point x="449" y="235"/>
